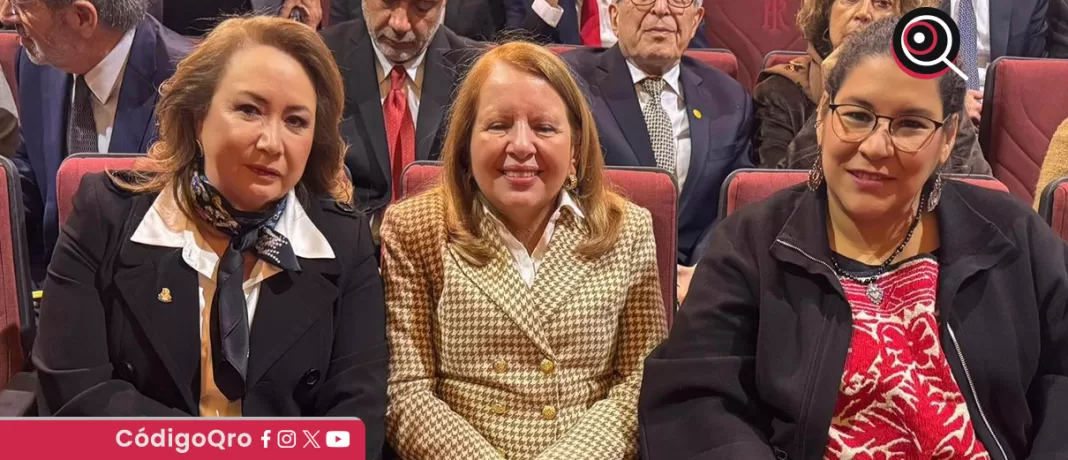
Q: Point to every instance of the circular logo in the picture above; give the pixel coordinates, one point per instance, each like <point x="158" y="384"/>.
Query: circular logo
<point x="926" y="41"/>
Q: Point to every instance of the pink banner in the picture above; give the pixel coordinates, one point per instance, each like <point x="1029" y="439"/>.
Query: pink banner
<point x="199" y="438"/>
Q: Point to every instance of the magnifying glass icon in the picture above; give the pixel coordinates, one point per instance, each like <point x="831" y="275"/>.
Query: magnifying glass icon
<point x="947" y="34"/>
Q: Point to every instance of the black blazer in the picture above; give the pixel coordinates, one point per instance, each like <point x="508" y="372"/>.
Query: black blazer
<point x="108" y="347"/>
<point x="475" y="19"/>
<point x="1018" y="28"/>
<point x="719" y="138"/>
<point x="363" y="125"/>
<point x="753" y="364"/>
<point x="1057" y="38"/>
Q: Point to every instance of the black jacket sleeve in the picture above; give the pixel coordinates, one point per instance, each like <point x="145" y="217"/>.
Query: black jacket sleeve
<point x="71" y="350"/>
<point x="698" y="397"/>
<point x="355" y="384"/>
<point x="1057" y="35"/>
<point x="781" y="111"/>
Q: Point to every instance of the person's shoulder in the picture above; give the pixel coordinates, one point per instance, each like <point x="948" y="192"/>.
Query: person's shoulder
<point x="774" y="86"/>
<point x="717" y="82"/>
<point x="170" y="44"/>
<point x="761" y="222"/>
<point x="341" y="36"/>
<point x="636" y="218"/>
<point x="584" y="60"/>
<point x="417" y="212"/>
<point x="459" y="42"/>
<point x="999" y="207"/>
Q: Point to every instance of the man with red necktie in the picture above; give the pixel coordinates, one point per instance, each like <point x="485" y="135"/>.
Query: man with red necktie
<point x="399" y="65"/>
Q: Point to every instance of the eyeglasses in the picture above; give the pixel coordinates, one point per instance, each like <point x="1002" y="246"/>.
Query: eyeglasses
<point x="678" y="4"/>
<point x="908" y="133"/>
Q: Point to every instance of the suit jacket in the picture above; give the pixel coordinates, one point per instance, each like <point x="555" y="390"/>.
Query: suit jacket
<point x="520" y="15"/>
<point x="363" y="125"/>
<point x="1018" y="28"/>
<point x="44" y="100"/>
<point x="1058" y="29"/>
<point x="317" y="346"/>
<point x="720" y="135"/>
<point x="484" y="366"/>
<point x="475" y="19"/>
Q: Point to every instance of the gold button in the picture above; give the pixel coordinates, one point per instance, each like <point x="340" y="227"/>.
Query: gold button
<point x="547" y="366"/>
<point x="548" y="413"/>
<point x="499" y="409"/>
<point x="500" y="366"/>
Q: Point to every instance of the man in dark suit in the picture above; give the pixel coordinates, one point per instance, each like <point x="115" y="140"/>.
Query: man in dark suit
<point x="475" y="19"/>
<point x="88" y="80"/>
<point x="656" y="108"/>
<point x="400" y="68"/>
<point x="573" y="22"/>
<point x="990" y="29"/>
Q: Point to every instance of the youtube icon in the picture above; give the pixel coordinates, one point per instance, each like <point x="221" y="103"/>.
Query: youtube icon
<point x="337" y="439"/>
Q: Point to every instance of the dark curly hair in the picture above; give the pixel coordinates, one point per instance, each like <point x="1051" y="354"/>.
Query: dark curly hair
<point x="814" y="20"/>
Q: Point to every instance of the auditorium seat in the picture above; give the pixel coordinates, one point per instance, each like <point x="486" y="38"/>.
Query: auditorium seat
<point x="650" y="188"/>
<point x="75" y="166"/>
<point x="1021" y="109"/>
<point x="746" y="186"/>
<point x="9" y="52"/>
<point x="777" y="57"/>
<point x="751" y="30"/>
<point x="1054" y="206"/>
<point x="17" y="319"/>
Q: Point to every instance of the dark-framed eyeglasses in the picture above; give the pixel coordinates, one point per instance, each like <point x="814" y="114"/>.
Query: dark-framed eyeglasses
<point x="908" y="133"/>
<point x="677" y="4"/>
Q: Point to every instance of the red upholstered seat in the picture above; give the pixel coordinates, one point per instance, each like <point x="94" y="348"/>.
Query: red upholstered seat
<point x="76" y="166"/>
<point x="777" y="57"/>
<point x="561" y="49"/>
<point x="9" y="52"/>
<point x="17" y="322"/>
<point x="1023" y="104"/>
<point x="751" y="29"/>
<point x="746" y="186"/>
<point x="650" y="188"/>
<point x="721" y="59"/>
<point x="1054" y="206"/>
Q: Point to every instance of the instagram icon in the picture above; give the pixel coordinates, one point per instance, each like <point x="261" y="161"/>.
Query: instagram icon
<point x="287" y="439"/>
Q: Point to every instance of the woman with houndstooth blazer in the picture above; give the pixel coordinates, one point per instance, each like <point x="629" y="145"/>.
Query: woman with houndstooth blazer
<point x="522" y="293"/>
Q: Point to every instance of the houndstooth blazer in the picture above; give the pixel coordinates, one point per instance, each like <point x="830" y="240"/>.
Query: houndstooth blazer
<point x="484" y="367"/>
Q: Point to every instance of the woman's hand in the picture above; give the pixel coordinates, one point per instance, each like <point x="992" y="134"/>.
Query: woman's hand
<point x="312" y="8"/>
<point x="683" y="283"/>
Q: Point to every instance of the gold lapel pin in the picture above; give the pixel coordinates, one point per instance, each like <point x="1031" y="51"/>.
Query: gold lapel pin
<point x="164" y="295"/>
<point x="697" y="113"/>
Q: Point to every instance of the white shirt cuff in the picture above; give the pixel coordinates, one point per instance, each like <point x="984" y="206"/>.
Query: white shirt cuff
<point x="548" y="13"/>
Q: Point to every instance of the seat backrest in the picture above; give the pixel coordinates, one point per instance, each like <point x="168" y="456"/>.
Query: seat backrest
<point x="751" y="29"/>
<point x="746" y="186"/>
<point x="721" y="59"/>
<point x="1054" y="206"/>
<point x="1021" y="110"/>
<point x="76" y="166"/>
<point x="777" y="57"/>
<point x="17" y="321"/>
<point x="9" y="52"/>
<point x="561" y="48"/>
<point x="650" y="188"/>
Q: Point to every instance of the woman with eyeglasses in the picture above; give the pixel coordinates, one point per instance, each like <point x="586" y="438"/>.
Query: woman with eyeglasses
<point x="879" y="311"/>
<point x="786" y="95"/>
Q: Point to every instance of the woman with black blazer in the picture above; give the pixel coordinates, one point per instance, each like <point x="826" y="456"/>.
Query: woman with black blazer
<point x="229" y="275"/>
<point x="878" y="311"/>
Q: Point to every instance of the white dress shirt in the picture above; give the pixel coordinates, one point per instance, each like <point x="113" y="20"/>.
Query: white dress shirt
<point x="674" y="103"/>
<point x="413" y="84"/>
<point x="528" y="262"/>
<point x="105" y="81"/>
<point x="552" y="14"/>
<point x="982" y="33"/>
<point x="164" y="225"/>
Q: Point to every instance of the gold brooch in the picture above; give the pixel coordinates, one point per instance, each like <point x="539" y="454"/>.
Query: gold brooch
<point x="164" y="296"/>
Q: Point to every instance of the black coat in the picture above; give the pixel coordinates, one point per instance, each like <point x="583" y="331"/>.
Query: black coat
<point x="755" y="358"/>
<point x="364" y="127"/>
<point x="107" y="346"/>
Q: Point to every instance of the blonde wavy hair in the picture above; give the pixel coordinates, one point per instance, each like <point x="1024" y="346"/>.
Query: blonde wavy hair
<point x="603" y="208"/>
<point x="185" y="98"/>
<point x="814" y="20"/>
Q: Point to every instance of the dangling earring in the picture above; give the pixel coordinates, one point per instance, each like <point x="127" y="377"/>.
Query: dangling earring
<point x="936" y="192"/>
<point x="200" y="149"/>
<point x="815" y="175"/>
<point x="572" y="183"/>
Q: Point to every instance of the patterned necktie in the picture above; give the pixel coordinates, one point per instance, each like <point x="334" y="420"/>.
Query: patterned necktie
<point x="968" y="43"/>
<point x="400" y="129"/>
<point x="81" y="128"/>
<point x="659" y="125"/>
<point x="229" y="313"/>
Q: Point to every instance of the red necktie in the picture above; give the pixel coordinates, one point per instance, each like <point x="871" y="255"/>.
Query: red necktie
<point x="400" y="129"/>
<point x="590" y="23"/>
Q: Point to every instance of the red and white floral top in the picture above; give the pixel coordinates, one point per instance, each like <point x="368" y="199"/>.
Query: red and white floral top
<point x="898" y="398"/>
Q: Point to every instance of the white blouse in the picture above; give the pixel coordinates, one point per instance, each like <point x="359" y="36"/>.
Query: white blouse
<point x="528" y="262"/>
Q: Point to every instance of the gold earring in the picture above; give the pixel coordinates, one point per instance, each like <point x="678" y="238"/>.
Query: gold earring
<point x="572" y="183"/>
